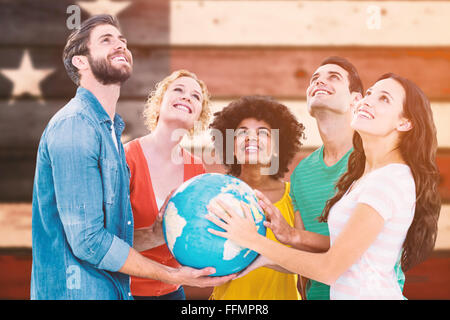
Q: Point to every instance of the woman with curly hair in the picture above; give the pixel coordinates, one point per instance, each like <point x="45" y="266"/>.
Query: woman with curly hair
<point x="178" y="102"/>
<point x="386" y="205"/>
<point x="265" y="132"/>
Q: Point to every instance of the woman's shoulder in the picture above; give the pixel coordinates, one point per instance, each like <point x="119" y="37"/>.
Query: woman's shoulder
<point x="394" y="181"/>
<point x="131" y="146"/>
<point x="394" y="174"/>
<point x="133" y="153"/>
<point x="390" y="190"/>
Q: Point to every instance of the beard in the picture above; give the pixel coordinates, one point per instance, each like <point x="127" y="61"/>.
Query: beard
<point x="106" y="73"/>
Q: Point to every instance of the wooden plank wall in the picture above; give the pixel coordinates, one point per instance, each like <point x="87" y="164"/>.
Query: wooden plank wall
<point x="237" y="47"/>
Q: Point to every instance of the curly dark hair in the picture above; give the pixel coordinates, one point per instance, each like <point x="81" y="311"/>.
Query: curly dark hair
<point x="264" y="108"/>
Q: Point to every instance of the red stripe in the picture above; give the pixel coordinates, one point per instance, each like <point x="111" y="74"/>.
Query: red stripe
<point x="285" y="73"/>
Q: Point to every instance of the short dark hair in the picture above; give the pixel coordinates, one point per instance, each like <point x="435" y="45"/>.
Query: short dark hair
<point x="77" y="42"/>
<point x="265" y="108"/>
<point x="355" y="83"/>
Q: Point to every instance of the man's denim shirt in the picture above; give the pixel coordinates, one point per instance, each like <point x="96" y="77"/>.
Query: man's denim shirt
<point x="82" y="225"/>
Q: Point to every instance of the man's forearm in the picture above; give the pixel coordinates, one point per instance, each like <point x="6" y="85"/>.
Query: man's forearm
<point x="139" y="266"/>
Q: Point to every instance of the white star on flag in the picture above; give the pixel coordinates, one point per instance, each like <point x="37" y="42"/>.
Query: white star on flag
<point x="103" y="6"/>
<point x="26" y="79"/>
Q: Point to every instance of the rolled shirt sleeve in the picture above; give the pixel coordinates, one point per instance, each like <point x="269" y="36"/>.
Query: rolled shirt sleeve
<point x="116" y="255"/>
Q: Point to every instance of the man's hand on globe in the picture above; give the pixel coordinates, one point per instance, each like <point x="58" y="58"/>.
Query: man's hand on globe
<point x="199" y="277"/>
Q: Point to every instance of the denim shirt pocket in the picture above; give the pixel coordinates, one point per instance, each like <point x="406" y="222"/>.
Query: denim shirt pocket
<point x="110" y="174"/>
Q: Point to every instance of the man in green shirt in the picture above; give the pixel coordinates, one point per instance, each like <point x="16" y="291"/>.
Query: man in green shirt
<point x="334" y="89"/>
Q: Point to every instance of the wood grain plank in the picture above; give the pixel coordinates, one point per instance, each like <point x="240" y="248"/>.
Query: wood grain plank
<point x="34" y="116"/>
<point x="150" y="66"/>
<point x="443" y="162"/>
<point x="282" y="73"/>
<point x="15" y="275"/>
<point x="441" y="114"/>
<point x="309" y="23"/>
<point x="15" y="226"/>
<point x="28" y="22"/>
<point x="242" y="23"/>
<point x="285" y="73"/>
<point x="23" y="121"/>
<point x="429" y="280"/>
<point x="18" y="165"/>
<point x="43" y="22"/>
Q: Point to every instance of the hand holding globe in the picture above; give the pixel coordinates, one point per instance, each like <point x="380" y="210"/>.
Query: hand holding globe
<point x="237" y="227"/>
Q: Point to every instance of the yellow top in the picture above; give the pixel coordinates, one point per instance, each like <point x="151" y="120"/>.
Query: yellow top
<point x="264" y="283"/>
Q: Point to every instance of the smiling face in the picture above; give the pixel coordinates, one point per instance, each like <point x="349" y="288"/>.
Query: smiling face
<point x="109" y="58"/>
<point x="380" y="112"/>
<point x="182" y="102"/>
<point x="329" y="89"/>
<point x="253" y="142"/>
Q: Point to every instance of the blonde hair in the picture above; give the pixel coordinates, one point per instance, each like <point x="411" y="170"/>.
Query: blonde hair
<point x="153" y="103"/>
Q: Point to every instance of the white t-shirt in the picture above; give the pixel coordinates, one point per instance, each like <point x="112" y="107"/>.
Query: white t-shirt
<point x="391" y="191"/>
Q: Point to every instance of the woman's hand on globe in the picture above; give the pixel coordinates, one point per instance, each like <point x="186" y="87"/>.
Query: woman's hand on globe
<point x="241" y="230"/>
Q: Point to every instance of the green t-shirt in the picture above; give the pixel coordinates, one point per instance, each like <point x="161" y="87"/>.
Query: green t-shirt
<point x="312" y="184"/>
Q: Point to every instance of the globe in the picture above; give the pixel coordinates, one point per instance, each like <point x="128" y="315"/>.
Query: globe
<point x="186" y="228"/>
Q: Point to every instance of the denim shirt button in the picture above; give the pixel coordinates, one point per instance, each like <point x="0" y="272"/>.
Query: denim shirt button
<point x="129" y="222"/>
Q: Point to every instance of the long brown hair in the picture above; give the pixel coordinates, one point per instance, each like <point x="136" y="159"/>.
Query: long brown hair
<point x="418" y="148"/>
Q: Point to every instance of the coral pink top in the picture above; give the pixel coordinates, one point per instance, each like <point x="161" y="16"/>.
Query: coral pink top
<point x="145" y="211"/>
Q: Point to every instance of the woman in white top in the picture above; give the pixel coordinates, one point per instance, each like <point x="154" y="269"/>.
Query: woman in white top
<point x="386" y="206"/>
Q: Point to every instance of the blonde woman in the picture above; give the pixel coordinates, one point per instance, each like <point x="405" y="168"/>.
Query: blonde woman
<point x="158" y="165"/>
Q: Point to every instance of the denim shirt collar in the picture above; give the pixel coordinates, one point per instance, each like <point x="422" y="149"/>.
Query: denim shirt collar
<point x="100" y="112"/>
